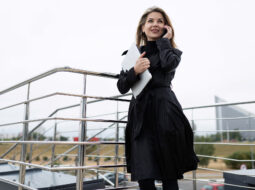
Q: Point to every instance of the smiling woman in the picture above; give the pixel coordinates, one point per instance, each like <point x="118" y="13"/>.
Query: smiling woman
<point x="158" y="136"/>
<point x="153" y="25"/>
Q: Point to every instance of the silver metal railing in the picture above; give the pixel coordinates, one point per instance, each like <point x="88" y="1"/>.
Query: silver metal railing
<point x="52" y="114"/>
<point x="83" y="120"/>
<point x="83" y="142"/>
<point x="192" y="120"/>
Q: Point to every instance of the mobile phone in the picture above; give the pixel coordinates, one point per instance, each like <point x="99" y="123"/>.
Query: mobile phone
<point x="165" y="31"/>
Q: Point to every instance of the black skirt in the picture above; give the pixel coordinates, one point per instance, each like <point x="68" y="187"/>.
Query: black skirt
<point x="153" y="151"/>
<point x="145" y="164"/>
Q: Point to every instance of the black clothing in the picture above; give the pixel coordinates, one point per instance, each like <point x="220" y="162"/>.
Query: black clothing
<point x="170" y="185"/>
<point x="149" y="184"/>
<point x="158" y="136"/>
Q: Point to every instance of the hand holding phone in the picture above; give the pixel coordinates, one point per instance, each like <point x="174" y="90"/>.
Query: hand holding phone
<point x="168" y="32"/>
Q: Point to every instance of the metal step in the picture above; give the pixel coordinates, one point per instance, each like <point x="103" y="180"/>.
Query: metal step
<point x="42" y="180"/>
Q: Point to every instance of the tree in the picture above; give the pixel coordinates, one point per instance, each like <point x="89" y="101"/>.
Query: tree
<point x="62" y="138"/>
<point x="232" y="136"/>
<point x="204" y="149"/>
<point x="239" y="156"/>
<point x="39" y="136"/>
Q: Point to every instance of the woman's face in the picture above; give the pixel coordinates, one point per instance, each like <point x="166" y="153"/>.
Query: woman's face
<point x="154" y="26"/>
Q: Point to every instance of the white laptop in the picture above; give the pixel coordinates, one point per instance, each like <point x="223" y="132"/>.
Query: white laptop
<point x="128" y="62"/>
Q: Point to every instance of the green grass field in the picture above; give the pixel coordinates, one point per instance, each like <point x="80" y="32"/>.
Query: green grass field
<point x="226" y="150"/>
<point x="220" y="150"/>
<point x="41" y="150"/>
<point x="108" y="150"/>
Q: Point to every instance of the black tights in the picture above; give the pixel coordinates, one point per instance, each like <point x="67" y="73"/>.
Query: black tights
<point x="148" y="184"/>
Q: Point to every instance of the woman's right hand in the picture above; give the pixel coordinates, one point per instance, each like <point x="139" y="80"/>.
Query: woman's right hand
<point x="141" y="64"/>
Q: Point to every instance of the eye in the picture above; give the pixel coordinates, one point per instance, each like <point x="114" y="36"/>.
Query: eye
<point x="161" y="21"/>
<point x="150" y="20"/>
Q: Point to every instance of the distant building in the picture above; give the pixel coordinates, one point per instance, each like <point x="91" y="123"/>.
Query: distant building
<point x="232" y="124"/>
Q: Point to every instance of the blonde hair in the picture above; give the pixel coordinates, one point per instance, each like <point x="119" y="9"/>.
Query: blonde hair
<point x="141" y="38"/>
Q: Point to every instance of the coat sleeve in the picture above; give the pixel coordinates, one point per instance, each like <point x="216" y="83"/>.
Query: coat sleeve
<point x="170" y="57"/>
<point x="126" y="80"/>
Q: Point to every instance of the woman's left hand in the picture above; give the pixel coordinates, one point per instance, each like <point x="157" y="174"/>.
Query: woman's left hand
<point x="168" y="33"/>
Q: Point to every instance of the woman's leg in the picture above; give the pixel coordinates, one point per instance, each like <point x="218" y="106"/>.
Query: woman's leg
<point x="170" y="184"/>
<point x="147" y="184"/>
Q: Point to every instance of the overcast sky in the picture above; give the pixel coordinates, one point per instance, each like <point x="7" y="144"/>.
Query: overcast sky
<point x="216" y="37"/>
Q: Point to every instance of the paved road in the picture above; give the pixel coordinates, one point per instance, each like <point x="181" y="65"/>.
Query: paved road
<point x="188" y="185"/>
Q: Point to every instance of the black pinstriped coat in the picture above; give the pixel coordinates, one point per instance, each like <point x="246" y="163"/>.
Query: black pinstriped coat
<point x="159" y="139"/>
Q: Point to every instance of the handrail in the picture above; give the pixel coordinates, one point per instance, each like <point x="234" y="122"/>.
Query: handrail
<point x="231" y="144"/>
<point x="61" y="168"/>
<point x="219" y="104"/>
<point x="84" y="118"/>
<point x="223" y="158"/>
<point x="65" y="94"/>
<point x="102" y="74"/>
<point x="235" y="130"/>
<point x="76" y="146"/>
<point x="59" y="69"/>
<point x="64" y="142"/>
<point x="54" y="112"/>
<point x="63" y="118"/>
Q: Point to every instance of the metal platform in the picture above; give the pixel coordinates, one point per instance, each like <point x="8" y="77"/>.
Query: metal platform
<point x="240" y="178"/>
<point x="42" y="180"/>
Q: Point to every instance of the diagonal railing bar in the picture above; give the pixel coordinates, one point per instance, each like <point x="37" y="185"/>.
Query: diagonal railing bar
<point x="16" y="184"/>
<point x="65" y="94"/>
<point x="63" y="118"/>
<point x="76" y="146"/>
<point x="61" y="168"/>
<point x="85" y="119"/>
<point x="53" y="113"/>
<point x="60" y="69"/>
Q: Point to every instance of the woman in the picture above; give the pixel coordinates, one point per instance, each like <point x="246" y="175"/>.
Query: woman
<point x="159" y="139"/>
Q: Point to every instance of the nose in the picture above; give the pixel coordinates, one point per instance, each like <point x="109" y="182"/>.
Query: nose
<point x="155" y="23"/>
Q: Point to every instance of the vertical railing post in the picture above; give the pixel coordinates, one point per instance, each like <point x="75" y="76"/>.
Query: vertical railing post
<point x="82" y="137"/>
<point x="117" y="147"/>
<point x="31" y="149"/>
<point x="250" y="137"/>
<point x="22" y="172"/>
<point x="221" y="123"/>
<point x="194" y="177"/>
<point x="98" y="160"/>
<point x="227" y="135"/>
<point x="53" y="146"/>
<point x="124" y="159"/>
<point x="252" y="157"/>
